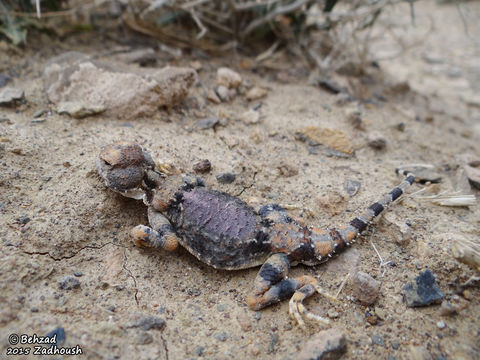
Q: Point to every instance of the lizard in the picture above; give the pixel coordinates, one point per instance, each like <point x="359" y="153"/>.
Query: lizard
<point x="224" y="232"/>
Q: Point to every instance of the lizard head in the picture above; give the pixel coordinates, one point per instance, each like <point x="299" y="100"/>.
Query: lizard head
<point x="127" y="169"/>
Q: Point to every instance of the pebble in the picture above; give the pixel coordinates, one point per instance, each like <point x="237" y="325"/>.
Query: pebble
<point x="376" y="141"/>
<point x="256" y="93"/>
<point x="422" y="291"/>
<point x="207" y="123"/>
<point x="4" y="80"/>
<point x="143" y="338"/>
<point x="147" y="322"/>
<point x="223" y="93"/>
<point x="287" y="170"/>
<point x="395" y="345"/>
<point x="199" y="350"/>
<point x="61" y="336"/>
<point x="143" y="57"/>
<point x="68" y="283"/>
<point x="447" y="309"/>
<point x="378" y="340"/>
<point x="441" y="325"/>
<point x="202" y="166"/>
<point x="364" y="288"/>
<point x="250" y="117"/>
<point x="333" y="138"/>
<point x="351" y="187"/>
<point x="226" y="178"/>
<point x="10" y="96"/>
<point x="78" y="273"/>
<point x="39" y="113"/>
<point x="220" y="336"/>
<point x="244" y="321"/>
<point x="228" y="78"/>
<point x="22" y="220"/>
<point x="78" y="110"/>
<point x="213" y="97"/>
<point x="327" y="344"/>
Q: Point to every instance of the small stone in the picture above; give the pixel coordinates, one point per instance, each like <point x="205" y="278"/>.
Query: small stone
<point x="143" y="57"/>
<point x="60" y="335"/>
<point x="447" y="309"/>
<point x="395" y="345"/>
<point x="423" y="291"/>
<point x="378" y="340"/>
<point x="226" y="178"/>
<point x="199" y="350"/>
<point x="327" y="344"/>
<point x="351" y="187"/>
<point x="147" y="322"/>
<point x="220" y="336"/>
<point x="223" y="93"/>
<point x="203" y="166"/>
<point x="228" y="78"/>
<point x="78" y="273"/>
<point x="381" y="313"/>
<point x="22" y="220"/>
<point x="10" y="96"/>
<point x="143" y="338"/>
<point x="39" y="113"/>
<point x="244" y="321"/>
<point x="256" y="93"/>
<point x="364" y="288"/>
<point x="207" y="123"/>
<point x="441" y="325"/>
<point x="68" y="283"/>
<point x="111" y="308"/>
<point x="250" y="117"/>
<point x="4" y="80"/>
<point x="213" y="97"/>
<point x="287" y="170"/>
<point x="79" y="110"/>
<point x="376" y="141"/>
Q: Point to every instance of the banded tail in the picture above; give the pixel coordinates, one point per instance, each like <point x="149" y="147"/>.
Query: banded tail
<point x="326" y="242"/>
<point x="360" y="223"/>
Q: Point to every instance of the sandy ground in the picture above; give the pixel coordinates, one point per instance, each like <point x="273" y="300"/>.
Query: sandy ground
<point x="77" y="226"/>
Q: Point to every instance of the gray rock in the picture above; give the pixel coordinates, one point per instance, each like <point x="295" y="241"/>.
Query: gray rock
<point x="207" y="123"/>
<point x="226" y="178"/>
<point x="326" y="345"/>
<point x="376" y="141"/>
<point x="351" y="187"/>
<point x="124" y="92"/>
<point x="10" y="96"/>
<point x="69" y="283"/>
<point x="378" y="340"/>
<point x="423" y="291"/>
<point x="364" y="288"/>
<point x="148" y="322"/>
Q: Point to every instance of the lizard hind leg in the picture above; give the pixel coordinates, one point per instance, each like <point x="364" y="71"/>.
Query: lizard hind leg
<point x="296" y="308"/>
<point x="272" y="286"/>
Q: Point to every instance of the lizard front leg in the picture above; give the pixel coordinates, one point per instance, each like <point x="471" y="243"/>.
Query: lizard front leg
<point x="159" y="236"/>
